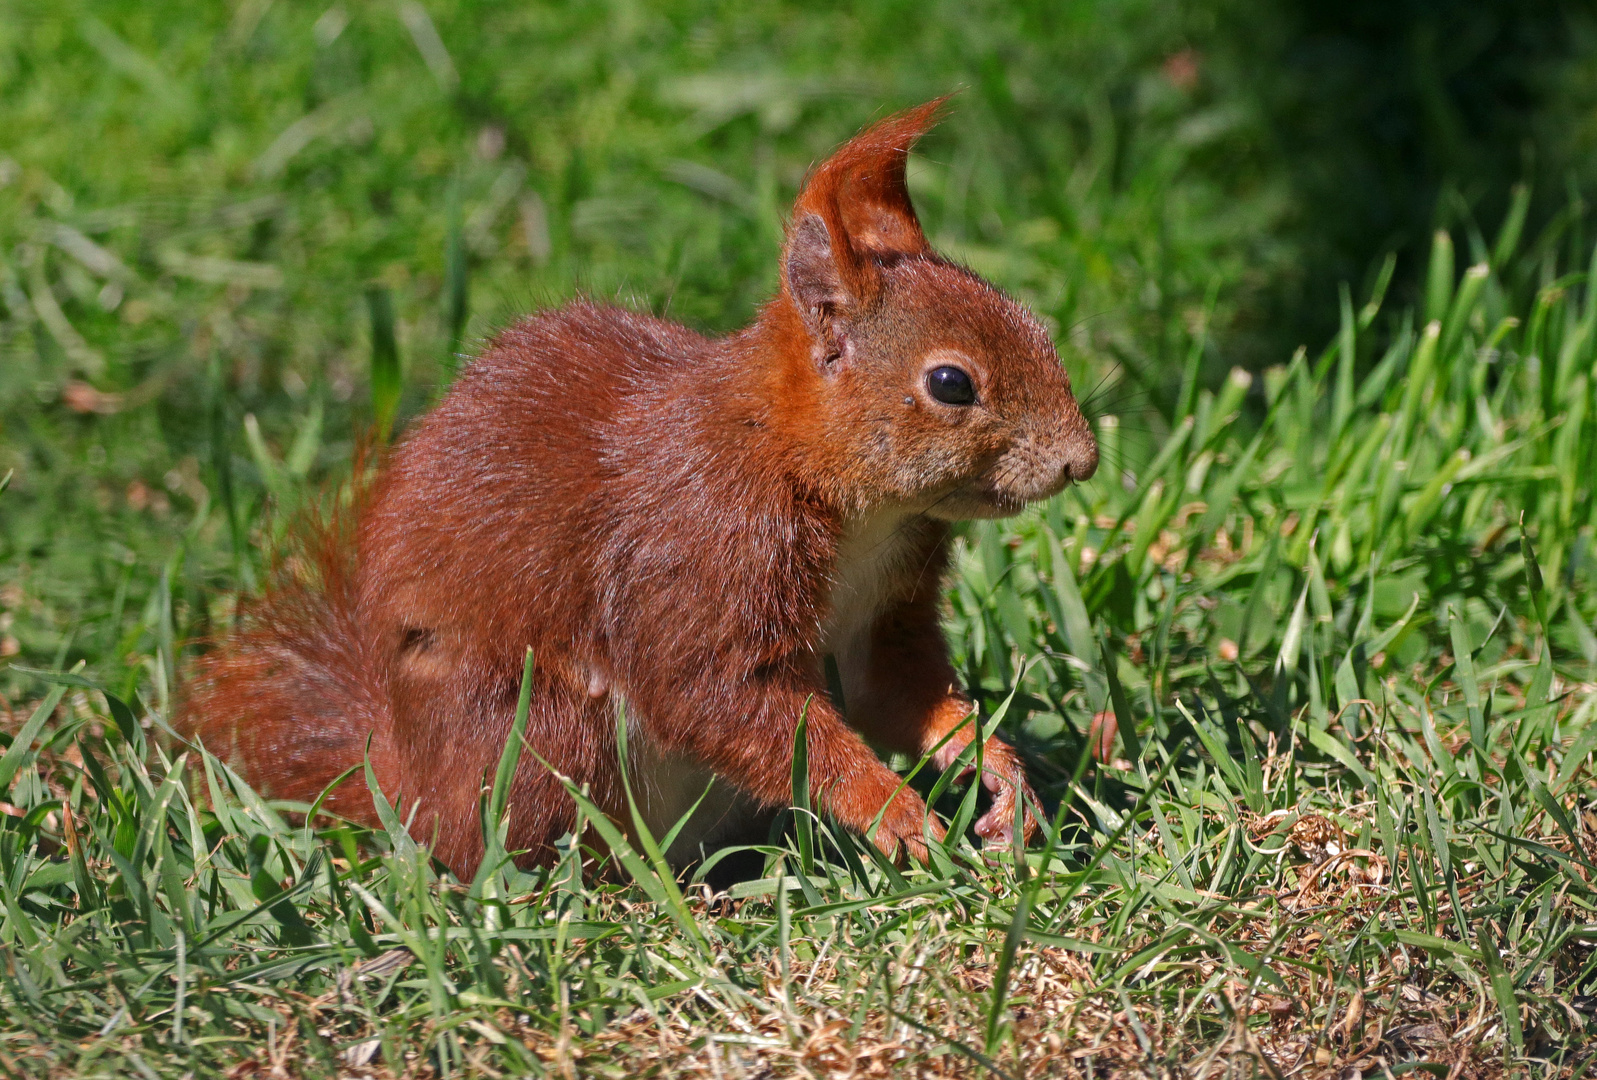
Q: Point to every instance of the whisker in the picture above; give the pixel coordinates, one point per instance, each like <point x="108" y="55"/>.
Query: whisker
<point x="1122" y="388"/>
<point x="1121" y="403"/>
<point x="1141" y="429"/>
<point x="1121" y="396"/>
<point x="1119" y="411"/>
<point x="1085" y="319"/>
<point x="1114" y="369"/>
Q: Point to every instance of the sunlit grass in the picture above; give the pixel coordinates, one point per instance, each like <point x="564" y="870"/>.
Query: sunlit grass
<point x="1335" y="619"/>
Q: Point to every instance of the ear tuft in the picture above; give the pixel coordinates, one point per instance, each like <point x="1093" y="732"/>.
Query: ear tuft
<point x="861" y="204"/>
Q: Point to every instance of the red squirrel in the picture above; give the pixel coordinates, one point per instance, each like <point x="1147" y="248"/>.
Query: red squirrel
<point x="681" y="527"/>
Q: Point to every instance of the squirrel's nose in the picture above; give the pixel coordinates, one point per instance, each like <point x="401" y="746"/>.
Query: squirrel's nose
<point x="1071" y="458"/>
<point x="1081" y="457"/>
<point x="1075" y="449"/>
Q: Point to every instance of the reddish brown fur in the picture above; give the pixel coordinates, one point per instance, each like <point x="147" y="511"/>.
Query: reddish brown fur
<point x="684" y="524"/>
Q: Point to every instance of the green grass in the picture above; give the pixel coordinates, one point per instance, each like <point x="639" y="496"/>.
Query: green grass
<point x="1341" y="612"/>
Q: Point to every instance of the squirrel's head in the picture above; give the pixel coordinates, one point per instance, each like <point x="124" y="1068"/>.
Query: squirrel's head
<point x="922" y="385"/>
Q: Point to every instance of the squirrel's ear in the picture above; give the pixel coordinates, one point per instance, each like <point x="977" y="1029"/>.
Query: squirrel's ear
<point x="855" y="213"/>
<point x="811" y="272"/>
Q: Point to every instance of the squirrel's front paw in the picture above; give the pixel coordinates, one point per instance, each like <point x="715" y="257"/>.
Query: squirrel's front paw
<point x="906" y="826"/>
<point x="1004" y="777"/>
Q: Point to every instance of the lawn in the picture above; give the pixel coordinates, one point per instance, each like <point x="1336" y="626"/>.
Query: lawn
<point x="1331" y="618"/>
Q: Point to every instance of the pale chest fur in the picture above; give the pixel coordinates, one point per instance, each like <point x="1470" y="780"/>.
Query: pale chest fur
<point x="879" y="560"/>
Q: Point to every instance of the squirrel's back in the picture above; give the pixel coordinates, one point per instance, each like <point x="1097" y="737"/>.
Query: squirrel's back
<point x="523" y="468"/>
<point x="484" y="481"/>
<point x="485" y="532"/>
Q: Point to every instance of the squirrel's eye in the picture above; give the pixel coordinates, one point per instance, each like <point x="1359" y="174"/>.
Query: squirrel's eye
<point x="950" y="385"/>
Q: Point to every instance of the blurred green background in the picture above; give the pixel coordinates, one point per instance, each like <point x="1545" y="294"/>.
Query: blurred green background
<point x="213" y="216"/>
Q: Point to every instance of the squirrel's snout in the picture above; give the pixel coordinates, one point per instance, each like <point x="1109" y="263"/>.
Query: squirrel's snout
<point x="1040" y="467"/>
<point x="1072" y="453"/>
<point x="1077" y="448"/>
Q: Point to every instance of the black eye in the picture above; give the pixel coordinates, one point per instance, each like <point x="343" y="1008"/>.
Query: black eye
<point x="950" y="385"/>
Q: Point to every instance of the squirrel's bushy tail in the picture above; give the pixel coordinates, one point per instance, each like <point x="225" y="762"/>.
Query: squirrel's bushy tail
<point x="290" y="698"/>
